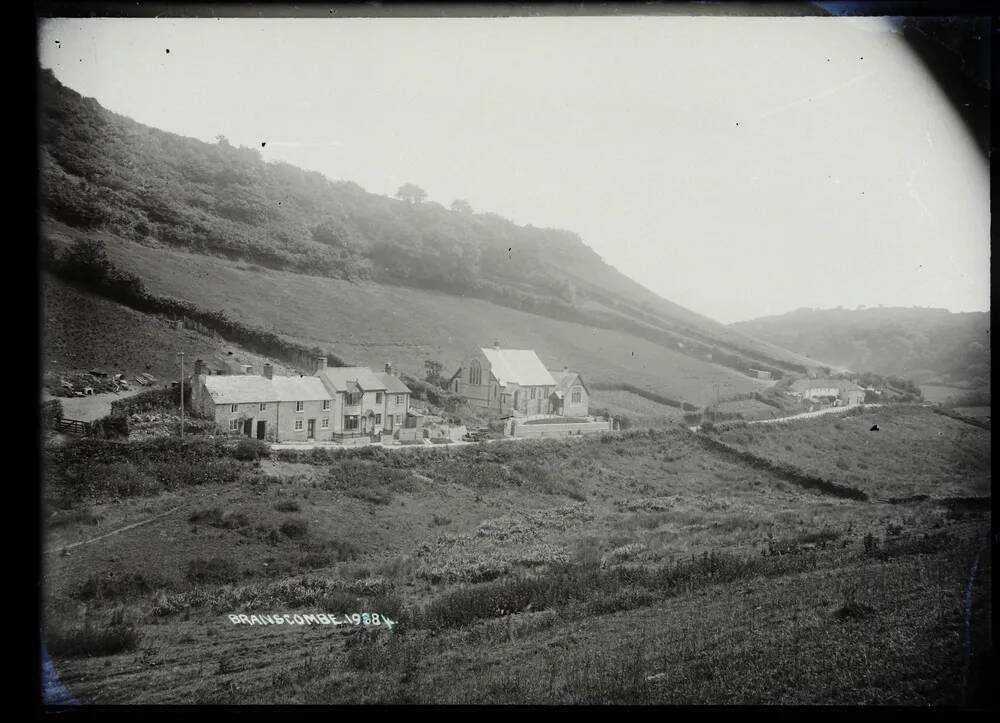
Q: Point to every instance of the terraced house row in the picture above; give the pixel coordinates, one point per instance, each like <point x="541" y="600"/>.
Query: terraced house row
<point x="332" y="404"/>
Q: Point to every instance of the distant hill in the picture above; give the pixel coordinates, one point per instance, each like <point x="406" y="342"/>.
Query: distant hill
<point x="102" y="172"/>
<point x="928" y="346"/>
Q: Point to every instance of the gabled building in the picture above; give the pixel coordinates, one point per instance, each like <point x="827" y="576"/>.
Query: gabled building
<point x="570" y="398"/>
<point x="507" y="380"/>
<point x="276" y="409"/>
<point x="365" y="402"/>
<point x="333" y="403"/>
<point x="832" y="391"/>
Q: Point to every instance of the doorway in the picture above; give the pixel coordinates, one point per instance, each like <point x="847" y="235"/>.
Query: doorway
<point x="261" y="429"/>
<point x="311" y="433"/>
<point x="248" y="428"/>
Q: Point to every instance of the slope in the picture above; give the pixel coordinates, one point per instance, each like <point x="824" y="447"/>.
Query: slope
<point x="102" y="171"/>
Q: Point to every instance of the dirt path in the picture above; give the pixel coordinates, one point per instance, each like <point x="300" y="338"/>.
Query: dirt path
<point x="92" y="407"/>
<point x="132" y="526"/>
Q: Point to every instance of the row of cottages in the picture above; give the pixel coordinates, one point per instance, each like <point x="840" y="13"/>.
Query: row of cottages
<point x="834" y="391"/>
<point x="514" y="381"/>
<point x="334" y="403"/>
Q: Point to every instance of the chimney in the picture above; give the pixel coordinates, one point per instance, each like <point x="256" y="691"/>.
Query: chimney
<point x="268" y="370"/>
<point x="247" y="368"/>
<point x="496" y="345"/>
<point x="320" y="364"/>
<point x="565" y="370"/>
<point x="388" y="367"/>
<point x="199" y="367"/>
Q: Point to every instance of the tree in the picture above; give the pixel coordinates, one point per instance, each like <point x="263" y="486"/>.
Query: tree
<point x="433" y="372"/>
<point x="411" y="193"/>
<point x="461" y="206"/>
<point x="86" y="261"/>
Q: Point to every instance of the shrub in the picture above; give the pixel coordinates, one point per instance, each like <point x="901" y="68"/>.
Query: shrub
<point x="88" y="640"/>
<point x="251" y="449"/>
<point x="214" y="570"/>
<point x="286" y="506"/>
<point x="294" y="529"/>
<point x="52" y="413"/>
<point x="114" y="587"/>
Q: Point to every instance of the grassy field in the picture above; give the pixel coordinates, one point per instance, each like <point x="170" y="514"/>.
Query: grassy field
<point x="81" y="331"/>
<point x="913" y="452"/>
<point x="639" y="410"/>
<point x="370" y="324"/>
<point x="633" y="568"/>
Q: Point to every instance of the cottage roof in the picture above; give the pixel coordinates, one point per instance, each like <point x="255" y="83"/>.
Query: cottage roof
<point x="248" y="388"/>
<point x="843" y="385"/>
<point x="566" y="379"/>
<point x="393" y="384"/>
<point x="518" y="366"/>
<point x="338" y="378"/>
<point x="299" y="389"/>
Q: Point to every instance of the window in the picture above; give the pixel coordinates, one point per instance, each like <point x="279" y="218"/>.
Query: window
<point x="324" y="423"/>
<point x="263" y="406"/>
<point x="378" y="397"/>
<point x="577" y="395"/>
<point x="326" y="405"/>
<point x="298" y="425"/>
<point x="378" y="419"/>
<point x="351" y="422"/>
<point x="475" y="372"/>
<point x="299" y="406"/>
<point x="234" y="425"/>
<point x="234" y="408"/>
<point x="399" y="418"/>
<point x="532" y="392"/>
<point x="353" y="399"/>
<point x="399" y="398"/>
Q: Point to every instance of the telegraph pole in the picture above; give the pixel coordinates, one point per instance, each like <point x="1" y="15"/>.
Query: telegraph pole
<point x="181" y="355"/>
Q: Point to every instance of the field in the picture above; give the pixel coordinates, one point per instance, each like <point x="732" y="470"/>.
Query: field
<point x="639" y="410"/>
<point x="369" y="324"/>
<point x="639" y="567"/>
<point x="913" y="452"/>
<point x="940" y="393"/>
<point x="81" y="331"/>
<point x="749" y="409"/>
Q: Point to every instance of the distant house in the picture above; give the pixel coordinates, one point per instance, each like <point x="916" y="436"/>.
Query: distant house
<point x="331" y="404"/>
<point x="759" y="374"/>
<point x="570" y="398"/>
<point x="508" y="380"/>
<point x="831" y="391"/>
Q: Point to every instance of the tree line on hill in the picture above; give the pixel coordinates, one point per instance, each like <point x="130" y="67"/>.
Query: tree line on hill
<point x="925" y="345"/>
<point x="103" y="171"/>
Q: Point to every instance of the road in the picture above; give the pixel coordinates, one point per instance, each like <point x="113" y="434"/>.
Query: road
<point x="803" y="415"/>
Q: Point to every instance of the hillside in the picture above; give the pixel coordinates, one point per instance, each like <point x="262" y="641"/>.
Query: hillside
<point x="643" y="567"/>
<point x="369" y="324"/>
<point x="925" y="345"/>
<point x="81" y="331"/>
<point x="102" y="172"/>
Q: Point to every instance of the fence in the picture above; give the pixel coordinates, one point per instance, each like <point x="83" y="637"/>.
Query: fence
<point x="523" y="430"/>
<point x="71" y="426"/>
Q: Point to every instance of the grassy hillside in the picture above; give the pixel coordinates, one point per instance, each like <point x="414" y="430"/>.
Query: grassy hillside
<point x="81" y="331"/>
<point x="643" y="567"/>
<point x="913" y="451"/>
<point x="103" y="172"/>
<point x="925" y="345"/>
<point x="370" y="323"/>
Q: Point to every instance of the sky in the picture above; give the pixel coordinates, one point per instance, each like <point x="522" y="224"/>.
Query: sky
<point x="740" y="167"/>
